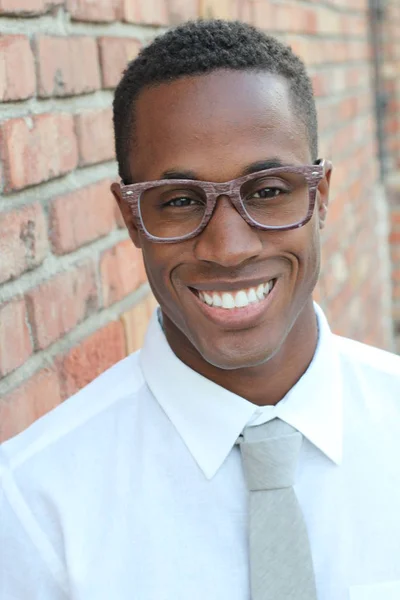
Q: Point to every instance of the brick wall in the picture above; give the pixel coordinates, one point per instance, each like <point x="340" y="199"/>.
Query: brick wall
<point x="391" y="87"/>
<point x="390" y="32"/>
<point x="73" y="296"/>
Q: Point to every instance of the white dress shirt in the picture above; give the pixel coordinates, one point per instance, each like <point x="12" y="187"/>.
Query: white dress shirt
<point x="133" y="488"/>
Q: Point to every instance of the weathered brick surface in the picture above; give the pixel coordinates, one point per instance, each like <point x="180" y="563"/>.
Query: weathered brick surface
<point x="91" y="357"/>
<point x="23" y="240"/>
<point x="94" y="10"/>
<point x="17" y="68"/>
<point x="135" y="325"/>
<point x="31" y="400"/>
<point x="82" y="216"/>
<point x="67" y="65"/>
<point x="26" y="7"/>
<point x="182" y="10"/>
<point x="15" y="342"/>
<point x="59" y="304"/>
<point x="122" y="271"/>
<point x="115" y="53"/>
<point x="391" y="80"/>
<point x="394" y="197"/>
<point x="146" y="12"/>
<point x="34" y="149"/>
<point x="55" y="81"/>
<point x="95" y="136"/>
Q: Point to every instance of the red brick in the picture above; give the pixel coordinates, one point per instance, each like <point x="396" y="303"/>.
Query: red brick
<point x="246" y="11"/>
<point x="394" y="237"/>
<point x="309" y="21"/>
<point x="358" y="50"/>
<point x="67" y="66"/>
<point x="135" y="323"/>
<point x="263" y="14"/>
<point x="115" y="54"/>
<point x="146" y="12"/>
<point x="396" y="278"/>
<point x="26" y="7"/>
<point x="35" y="149"/>
<point x="151" y="304"/>
<point x="59" y="304"/>
<point x="292" y="18"/>
<point x="122" y="271"/>
<point x="395" y="254"/>
<point x="328" y="21"/>
<point x="17" y="68"/>
<point x="31" y="400"/>
<point x="220" y="9"/>
<point x="95" y="136"/>
<point x="15" y="342"/>
<point x="91" y="357"/>
<point x="393" y="193"/>
<point x="94" y="10"/>
<point x="118" y="217"/>
<point x="182" y="10"/>
<point x="82" y="216"/>
<point x="23" y="241"/>
<point x="303" y="47"/>
<point x="321" y="86"/>
<point x="395" y="218"/>
<point x="354" y="25"/>
<point x="21" y="6"/>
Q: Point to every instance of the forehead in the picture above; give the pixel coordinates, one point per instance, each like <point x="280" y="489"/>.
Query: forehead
<point x="214" y="124"/>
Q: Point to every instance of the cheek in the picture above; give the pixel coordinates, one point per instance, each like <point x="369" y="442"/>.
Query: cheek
<point x="312" y="253"/>
<point x="160" y="262"/>
<point x="302" y="247"/>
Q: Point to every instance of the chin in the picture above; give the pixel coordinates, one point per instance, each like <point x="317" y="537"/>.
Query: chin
<point x="229" y="356"/>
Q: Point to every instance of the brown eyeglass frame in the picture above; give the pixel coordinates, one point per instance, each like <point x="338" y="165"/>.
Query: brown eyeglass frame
<point x="131" y="195"/>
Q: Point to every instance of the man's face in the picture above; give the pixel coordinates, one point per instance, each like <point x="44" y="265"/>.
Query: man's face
<point x="216" y="126"/>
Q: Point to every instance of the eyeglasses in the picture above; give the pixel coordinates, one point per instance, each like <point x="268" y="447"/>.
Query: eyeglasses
<point x="173" y="210"/>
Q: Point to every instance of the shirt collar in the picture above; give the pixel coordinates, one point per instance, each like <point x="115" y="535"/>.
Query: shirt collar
<point x="210" y="418"/>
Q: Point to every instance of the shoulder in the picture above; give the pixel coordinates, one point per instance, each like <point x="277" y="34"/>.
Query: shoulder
<point x="372" y="371"/>
<point x="71" y="422"/>
<point x="61" y="471"/>
<point x="51" y="474"/>
<point x="372" y="359"/>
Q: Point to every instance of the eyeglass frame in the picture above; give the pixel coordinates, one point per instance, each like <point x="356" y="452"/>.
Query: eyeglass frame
<point x="131" y="194"/>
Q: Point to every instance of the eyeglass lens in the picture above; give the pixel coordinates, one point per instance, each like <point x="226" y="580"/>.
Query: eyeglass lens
<point x="275" y="200"/>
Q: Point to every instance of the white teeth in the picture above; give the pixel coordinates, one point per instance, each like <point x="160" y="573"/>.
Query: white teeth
<point x="208" y="298"/>
<point x="217" y="301"/>
<point x="267" y="287"/>
<point x="260" y="291"/>
<point x="241" y="299"/>
<point x="227" y="301"/>
<point x="238" y="299"/>
<point x="252" y="296"/>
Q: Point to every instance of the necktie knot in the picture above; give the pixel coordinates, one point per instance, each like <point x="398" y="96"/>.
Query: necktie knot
<point x="271" y="463"/>
<point x="269" y="454"/>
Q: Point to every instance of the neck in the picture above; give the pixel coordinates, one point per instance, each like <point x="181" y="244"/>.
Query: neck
<point x="267" y="383"/>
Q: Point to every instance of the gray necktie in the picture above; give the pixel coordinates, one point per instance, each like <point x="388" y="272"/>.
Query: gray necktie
<point x="280" y="559"/>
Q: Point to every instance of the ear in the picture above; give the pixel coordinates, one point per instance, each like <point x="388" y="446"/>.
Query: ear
<point x="126" y="214"/>
<point x="323" y="194"/>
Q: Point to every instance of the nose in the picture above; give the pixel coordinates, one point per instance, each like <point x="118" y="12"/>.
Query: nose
<point x="227" y="240"/>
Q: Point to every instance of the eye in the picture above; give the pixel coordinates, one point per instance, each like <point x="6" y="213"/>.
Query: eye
<point x="182" y="202"/>
<point x="267" y="192"/>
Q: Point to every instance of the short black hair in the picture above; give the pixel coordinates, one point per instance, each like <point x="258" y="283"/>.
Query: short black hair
<point x="202" y="46"/>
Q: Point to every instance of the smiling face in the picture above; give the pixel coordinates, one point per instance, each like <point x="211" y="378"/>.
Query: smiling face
<point x="218" y="127"/>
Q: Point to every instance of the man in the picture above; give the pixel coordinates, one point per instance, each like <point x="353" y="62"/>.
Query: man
<point x="245" y="451"/>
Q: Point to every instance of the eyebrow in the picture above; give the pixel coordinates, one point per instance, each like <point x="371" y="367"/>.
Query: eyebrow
<point x="260" y="165"/>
